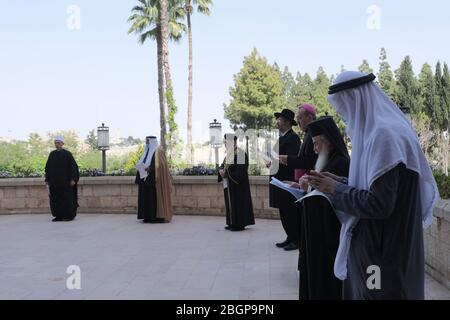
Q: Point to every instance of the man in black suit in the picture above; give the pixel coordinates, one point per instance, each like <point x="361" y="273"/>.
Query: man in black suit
<point x="288" y="144"/>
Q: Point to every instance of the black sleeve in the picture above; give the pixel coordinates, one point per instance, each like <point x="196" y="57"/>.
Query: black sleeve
<point x="339" y="168"/>
<point x="376" y="203"/>
<point x="47" y="168"/>
<point x="293" y="145"/>
<point x="74" y="173"/>
<point x="306" y="161"/>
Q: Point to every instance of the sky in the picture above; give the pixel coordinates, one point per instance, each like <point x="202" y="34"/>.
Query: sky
<point x="55" y="76"/>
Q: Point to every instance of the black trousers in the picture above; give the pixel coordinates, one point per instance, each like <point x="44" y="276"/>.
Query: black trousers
<point x="290" y="222"/>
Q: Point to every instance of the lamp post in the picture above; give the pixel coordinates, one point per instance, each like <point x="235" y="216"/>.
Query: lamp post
<point x="215" y="139"/>
<point x="103" y="143"/>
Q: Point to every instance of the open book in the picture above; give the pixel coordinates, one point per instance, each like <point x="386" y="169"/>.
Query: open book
<point x="297" y="193"/>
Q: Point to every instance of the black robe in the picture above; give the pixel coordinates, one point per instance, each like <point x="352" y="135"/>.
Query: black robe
<point x="147" y="205"/>
<point x="389" y="235"/>
<point x="288" y="144"/>
<point x="320" y="240"/>
<point x="306" y="158"/>
<point x="238" y="198"/>
<point x="60" y="169"/>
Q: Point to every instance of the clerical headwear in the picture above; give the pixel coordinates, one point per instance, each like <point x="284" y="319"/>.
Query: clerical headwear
<point x="327" y="127"/>
<point x="382" y="138"/>
<point x="59" y="138"/>
<point x="309" y="108"/>
<point x="288" y="115"/>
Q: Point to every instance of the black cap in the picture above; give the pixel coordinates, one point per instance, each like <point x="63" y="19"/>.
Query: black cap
<point x="327" y="127"/>
<point x="287" y="114"/>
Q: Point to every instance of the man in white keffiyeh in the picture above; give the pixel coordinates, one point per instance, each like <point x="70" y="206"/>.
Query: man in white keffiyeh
<point x="389" y="197"/>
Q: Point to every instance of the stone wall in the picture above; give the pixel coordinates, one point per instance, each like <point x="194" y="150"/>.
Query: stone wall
<point x="197" y="196"/>
<point x="437" y="244"/>
<point x="191" y="196"/>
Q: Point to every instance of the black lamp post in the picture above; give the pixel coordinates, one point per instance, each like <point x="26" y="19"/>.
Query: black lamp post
<point x="215" y="135"/>
<point x="103" y="143"/>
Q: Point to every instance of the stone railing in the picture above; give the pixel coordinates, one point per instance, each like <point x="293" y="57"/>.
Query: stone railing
<point x="197" y="196"/>
<point x="437" y="244"/>
<point x="191" y="196"/>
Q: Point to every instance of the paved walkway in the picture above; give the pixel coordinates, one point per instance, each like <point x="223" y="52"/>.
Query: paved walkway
<point x="120" y="258"/>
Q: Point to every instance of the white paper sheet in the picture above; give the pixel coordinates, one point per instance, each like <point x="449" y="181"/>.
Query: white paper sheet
<point x="297" y="193"/>
<point x="142" y="172"/>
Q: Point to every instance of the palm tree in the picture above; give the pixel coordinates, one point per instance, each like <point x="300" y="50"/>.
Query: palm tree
<point x="145" y="22"/>
<point x="202" y="7"/>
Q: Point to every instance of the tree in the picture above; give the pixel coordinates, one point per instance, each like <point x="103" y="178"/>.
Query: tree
<point x="145" y="22"/>
<point x="288" y="88"/>
<point x="446" y="89"/>
<point x="257" y="93"/>
<point x="365" y="67"/>
<point x="320" y="88"/>
<point x="386" y="76"/>
<point x="439" y="101"/>
<point x="91" y="140"/>
<point x="164" y="16"/>
<point x="428" y="95"/>
<point x="304" y="88"/>
<point x="202" y="7"/>
<point x="38" y="146"/>
<point x="408" y="93"/>
<point x="446" y="98"/>
<point x="422" y="124"/>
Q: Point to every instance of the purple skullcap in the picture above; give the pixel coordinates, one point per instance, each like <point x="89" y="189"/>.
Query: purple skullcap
<point x="308" y="108"/>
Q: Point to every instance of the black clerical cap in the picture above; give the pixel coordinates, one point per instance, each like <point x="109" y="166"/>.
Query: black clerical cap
<point x="353" y="83"/>
<point x="327" y="127"/>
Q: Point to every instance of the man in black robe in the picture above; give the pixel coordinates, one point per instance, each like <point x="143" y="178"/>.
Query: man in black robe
<point x="287" y="144"/>
<point x="320" y="227"/>
<point x="61" y="177"/>
<point x="306" y="158"/>
<point x="234" y="175"/>
<point x="389" y="197"/>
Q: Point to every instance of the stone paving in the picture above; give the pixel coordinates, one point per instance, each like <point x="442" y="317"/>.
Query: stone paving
<point x="120" y="258"/>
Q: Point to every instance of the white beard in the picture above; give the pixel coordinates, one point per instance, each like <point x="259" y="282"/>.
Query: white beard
<point x="322" y="161"/>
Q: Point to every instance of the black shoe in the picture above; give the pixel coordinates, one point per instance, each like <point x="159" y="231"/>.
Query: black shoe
<point x="67" y="219"/>
<point x="291" y="246"/>
<point x="283" y="244"/>
<point x="227" y="228"/>
<point x="56" y="219"/>
<point x="237" y="228"/>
